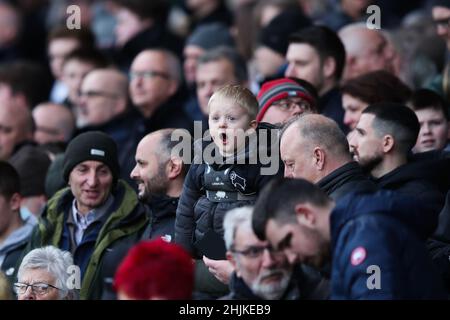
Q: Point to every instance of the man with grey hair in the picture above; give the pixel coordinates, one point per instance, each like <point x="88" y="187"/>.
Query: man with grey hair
<point x="260" y="271"/>
<point x="155" y="90"/>
<point x="44" y="274"/>
<point x="314" y="148"/>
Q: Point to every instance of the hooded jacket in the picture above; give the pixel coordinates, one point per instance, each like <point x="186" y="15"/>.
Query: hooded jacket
<point x="378" y="249"/>
<point x="124" y="223"/>
<point x="197" y="214"/>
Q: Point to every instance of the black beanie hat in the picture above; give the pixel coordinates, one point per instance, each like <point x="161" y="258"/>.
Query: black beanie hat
<point x="92" y="145"/>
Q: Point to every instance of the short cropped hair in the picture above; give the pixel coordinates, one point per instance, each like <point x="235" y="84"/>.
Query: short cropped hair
<point x="167" y="145"/>
<point x="278" y="199"/>
<point x="326" y="42"/>
<point x="325" y="132"/>
<point x="396" y="120"/>
<point x="239" y="95"/>
<point x="427" y="99"/>
<point x="84" y="36"/>
<point x="88" y="55"/>
<point x="9" y="181"/>
<point x="230" y="54"/>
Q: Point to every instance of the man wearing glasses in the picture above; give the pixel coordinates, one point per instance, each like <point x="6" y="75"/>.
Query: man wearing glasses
<point x="154" y="84"/>
<point x="261" y="272"/>
<point x="104" y="107"/>
<point x="43" y="275"/>
<point x="441" y="18"/>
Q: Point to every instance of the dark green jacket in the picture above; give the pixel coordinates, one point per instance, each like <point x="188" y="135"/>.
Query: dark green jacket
<point x="122" y="229"/>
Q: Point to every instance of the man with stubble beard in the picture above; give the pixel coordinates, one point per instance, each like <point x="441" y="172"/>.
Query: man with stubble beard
<point x="160" y="177"/>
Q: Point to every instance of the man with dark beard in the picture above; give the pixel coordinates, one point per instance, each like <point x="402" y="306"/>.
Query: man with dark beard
<point x="160" y="178"/>
<point x="382" y="143"/>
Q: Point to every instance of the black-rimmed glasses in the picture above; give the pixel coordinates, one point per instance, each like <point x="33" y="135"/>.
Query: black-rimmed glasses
<point x="37" y="288"/>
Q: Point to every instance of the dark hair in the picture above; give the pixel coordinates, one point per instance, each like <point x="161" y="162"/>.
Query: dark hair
<point x="230" y="54"/>
<point x="326" y="42"/>
<point x="157" y="10"/>
<point x="397" y="120"/>
<point x="88" y="55"/>
<point x="84" y="36"/>
<point x="278" y="199"/>
<point x="167" y="145"/>
<point x="10" y="181"/>
<point x="27" y="78"/>
<point x="377" y="86"/>
<point x="424" y="99"/>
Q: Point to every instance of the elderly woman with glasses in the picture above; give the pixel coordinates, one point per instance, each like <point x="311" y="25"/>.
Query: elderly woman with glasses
<point x="44" y="274"/>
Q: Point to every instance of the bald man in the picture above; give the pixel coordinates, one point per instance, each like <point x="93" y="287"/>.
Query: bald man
<point x="155" y="89"/>
<point x="160" y="177"/>
<point x="315" y="149"/>
<point x="16" y="128"/>
<point x="103" y="107"/>
<point x="54" y="123"/>
<point x="367" y="50"/>
<point x="103" y="96"/>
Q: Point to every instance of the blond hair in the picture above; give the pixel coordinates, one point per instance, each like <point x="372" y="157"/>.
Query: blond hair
<point x="239" y="95"/>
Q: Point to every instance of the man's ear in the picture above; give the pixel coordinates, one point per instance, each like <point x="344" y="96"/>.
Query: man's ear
<point x="319" y="158"/>
<point x="329" y="67"/>
<point x="230" y="257"/>
<point x="305" y="215"/>
<point x="173" y="87"/>
<point x="14" y="202"/>
<point x="388" y="143"/>
<point x="174" y="167"/>
<point x="253" y="124"/>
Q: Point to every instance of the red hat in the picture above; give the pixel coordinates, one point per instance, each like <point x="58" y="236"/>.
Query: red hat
<point x="279" y="89"/>
<point x="156" y="269"/>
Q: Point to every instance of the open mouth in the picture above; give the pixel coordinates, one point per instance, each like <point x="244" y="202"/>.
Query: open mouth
<point x="91" y="193"/>
<point x="223" y="138"/>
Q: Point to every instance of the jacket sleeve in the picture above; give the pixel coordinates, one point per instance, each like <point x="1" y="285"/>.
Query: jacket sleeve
<point x="185" y="220"/>
<point x="367" y="261"/>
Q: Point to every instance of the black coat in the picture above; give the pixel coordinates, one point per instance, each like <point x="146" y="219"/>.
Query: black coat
<point x="170" y="115"/>
<point x="331" y="106"/>
<point x="417" y="179"/>
<point x="346" y="179"/>
<point x="162" y="221"/>
<point x="384" y="230"/>
<point x="196" y="214"/>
